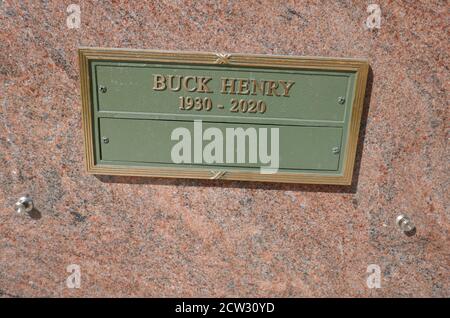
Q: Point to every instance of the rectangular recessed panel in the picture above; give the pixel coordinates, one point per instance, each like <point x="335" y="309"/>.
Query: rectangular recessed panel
<point x="149" y="141"/>
<point x="221" y="116"/>
<point x="312" y="96"/>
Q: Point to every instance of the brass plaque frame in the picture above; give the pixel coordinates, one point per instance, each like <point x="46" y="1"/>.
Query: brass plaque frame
<point x="359" y="66"/>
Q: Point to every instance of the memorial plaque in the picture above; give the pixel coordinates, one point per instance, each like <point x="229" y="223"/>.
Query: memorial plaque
<point x="221" y="116"/>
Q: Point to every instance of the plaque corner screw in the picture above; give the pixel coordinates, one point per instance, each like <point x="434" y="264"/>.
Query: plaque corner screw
<point x="102" y="88"/>
<point x="341" y="100"/>
<point x="335" y="150"/>
<point x="105" y="140"/>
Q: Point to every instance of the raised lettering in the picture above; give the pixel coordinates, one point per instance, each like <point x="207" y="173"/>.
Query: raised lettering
<point x="159" y="82"/>
<point x="286" y="87"/>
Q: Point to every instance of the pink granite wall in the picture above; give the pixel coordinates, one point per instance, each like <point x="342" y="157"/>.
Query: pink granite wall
<point x="157" y="237"/>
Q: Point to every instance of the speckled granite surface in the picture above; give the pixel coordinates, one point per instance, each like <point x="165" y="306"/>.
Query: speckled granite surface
<point x="156" y="237"/>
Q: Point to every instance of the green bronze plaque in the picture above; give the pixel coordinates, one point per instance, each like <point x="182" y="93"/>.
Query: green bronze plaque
<point x="221" y="116"/>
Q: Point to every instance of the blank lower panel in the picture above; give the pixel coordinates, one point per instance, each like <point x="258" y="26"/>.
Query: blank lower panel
<point x="151" y="142"/>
